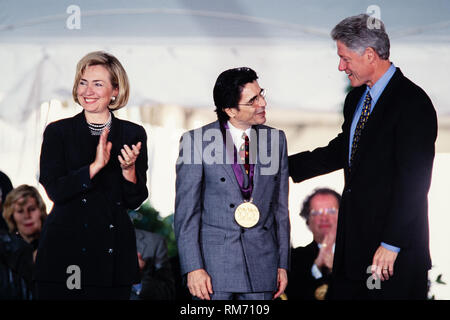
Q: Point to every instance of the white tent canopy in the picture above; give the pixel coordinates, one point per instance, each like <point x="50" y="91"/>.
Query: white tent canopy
<point x="174" y="50"/>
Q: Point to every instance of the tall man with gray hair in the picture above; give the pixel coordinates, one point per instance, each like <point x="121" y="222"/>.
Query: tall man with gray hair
<point x="386" y="149"/>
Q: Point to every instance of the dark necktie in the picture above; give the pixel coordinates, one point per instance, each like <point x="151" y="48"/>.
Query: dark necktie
<point x="360" y="125"/>
<point x="244" y="153"/>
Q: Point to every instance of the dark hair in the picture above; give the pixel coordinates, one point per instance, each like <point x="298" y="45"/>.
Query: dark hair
<point x="5" y="187"/>
<point x="228" y="88"/>
<point x="306" y="208"/>
<point x="363" y="31"/>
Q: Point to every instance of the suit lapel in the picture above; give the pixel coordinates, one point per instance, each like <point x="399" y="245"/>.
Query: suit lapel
<point x="375" y="122"/>
<point x="254" y="152"/>
<point x="349" y="112"/>
<point x="115" y="137"/>
<point x="83" y="140"/>
<point x="228" y="156"/>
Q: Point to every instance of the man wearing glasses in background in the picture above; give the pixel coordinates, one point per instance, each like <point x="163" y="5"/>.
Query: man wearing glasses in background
<point x="311" y="266"/>
<point x="231" y="208"/>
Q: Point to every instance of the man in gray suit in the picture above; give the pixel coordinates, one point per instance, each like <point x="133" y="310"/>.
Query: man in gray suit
<point x="231" y="208"/>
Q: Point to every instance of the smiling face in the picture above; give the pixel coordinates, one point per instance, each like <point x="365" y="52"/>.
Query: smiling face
<point x="27" y="217"/>
<point x="324" y="223"/>
<point x="251" y="107"/>
<point x="94" y="91"/>
<point x="358" y="67"/>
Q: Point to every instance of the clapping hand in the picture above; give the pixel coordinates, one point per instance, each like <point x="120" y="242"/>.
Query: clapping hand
<point x="128" y="160"/>
<point x="129" y="156"/>
<point x="102" y="155"/>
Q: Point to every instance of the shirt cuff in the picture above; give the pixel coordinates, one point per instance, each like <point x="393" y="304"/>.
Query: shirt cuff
<point x="389" y="247"/>
<point x="316" y="272"/>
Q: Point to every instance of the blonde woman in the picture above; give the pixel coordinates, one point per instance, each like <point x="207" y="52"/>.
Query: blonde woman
<point x="93" y="167"/>
<point x="24" y="213"/>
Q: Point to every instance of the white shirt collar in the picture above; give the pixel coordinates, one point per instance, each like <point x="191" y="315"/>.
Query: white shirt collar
<point x="236" y="134"/>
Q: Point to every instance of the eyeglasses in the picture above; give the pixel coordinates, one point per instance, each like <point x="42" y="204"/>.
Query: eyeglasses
<point x="256" y="98"/>
<point x="321" y="211"/>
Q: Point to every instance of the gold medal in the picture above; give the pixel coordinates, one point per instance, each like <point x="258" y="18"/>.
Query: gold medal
<point x="246" y="215"/>
<point x="320" y="292"/>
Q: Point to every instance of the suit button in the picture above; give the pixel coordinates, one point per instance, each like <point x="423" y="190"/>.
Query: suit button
<point x="110" y="251"/>
<point x="119" y="203"/>
<point x="349" y="190"/>
<point x="84" y="185"/>
<point x="222" y="179"/>
<point x="231" y="205"/>
<point x="83" y="201"/>
<point x="275" y="178"/>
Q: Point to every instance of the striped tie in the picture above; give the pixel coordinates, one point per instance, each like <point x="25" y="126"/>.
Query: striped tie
<point x="244" y="153"/>
<point x="360" y="126"/>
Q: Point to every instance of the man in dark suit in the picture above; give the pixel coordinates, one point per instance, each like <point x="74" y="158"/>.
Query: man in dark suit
<point x="312" y="266"/>
<point x="231" y="207"/>
<point x="386" y="149"/>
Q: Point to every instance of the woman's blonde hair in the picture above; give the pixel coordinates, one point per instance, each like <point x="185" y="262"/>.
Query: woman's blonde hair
<point x="21" y="192"/>
<point x="118" y="76"/>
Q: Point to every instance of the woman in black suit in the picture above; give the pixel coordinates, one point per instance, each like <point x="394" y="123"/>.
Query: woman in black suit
<point x="93" y="167"/>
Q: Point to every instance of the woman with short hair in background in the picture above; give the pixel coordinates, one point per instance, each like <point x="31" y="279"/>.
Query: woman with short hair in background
<point x="24" y="212"/>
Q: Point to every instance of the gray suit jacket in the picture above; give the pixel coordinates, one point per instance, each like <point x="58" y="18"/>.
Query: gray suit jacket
<point x="207" y="194"/>
<point x="157" y="280"/>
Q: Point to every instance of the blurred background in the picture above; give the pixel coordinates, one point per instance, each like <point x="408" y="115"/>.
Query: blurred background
<point x="173" y="51"/>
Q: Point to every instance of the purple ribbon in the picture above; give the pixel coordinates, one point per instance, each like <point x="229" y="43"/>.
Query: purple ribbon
<point x="238" y="170"/>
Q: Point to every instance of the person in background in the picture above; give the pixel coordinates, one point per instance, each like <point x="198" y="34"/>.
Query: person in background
<point x="157" y="280"/>
<point x="93" y="167"/>
<point x="312" y="266"/>
<point x="25" y="213"/>
<point x="5" y="187"/>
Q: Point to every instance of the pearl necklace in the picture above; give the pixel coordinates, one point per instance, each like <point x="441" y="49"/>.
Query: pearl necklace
<point x="97" y="129"/>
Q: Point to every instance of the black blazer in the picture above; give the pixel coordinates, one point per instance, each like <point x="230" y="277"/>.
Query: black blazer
<point x="302" y="285"/>
<point x="385" y="194"/>
<point x="89" y="225"/>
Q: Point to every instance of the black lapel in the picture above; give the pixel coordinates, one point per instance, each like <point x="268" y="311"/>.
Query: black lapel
<point x="115" y="136"/>
<point x="82" y="140"/>
<point x="349" y="110"/>
<point x="375" y="121"/>
<point x="313" y="248"/>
